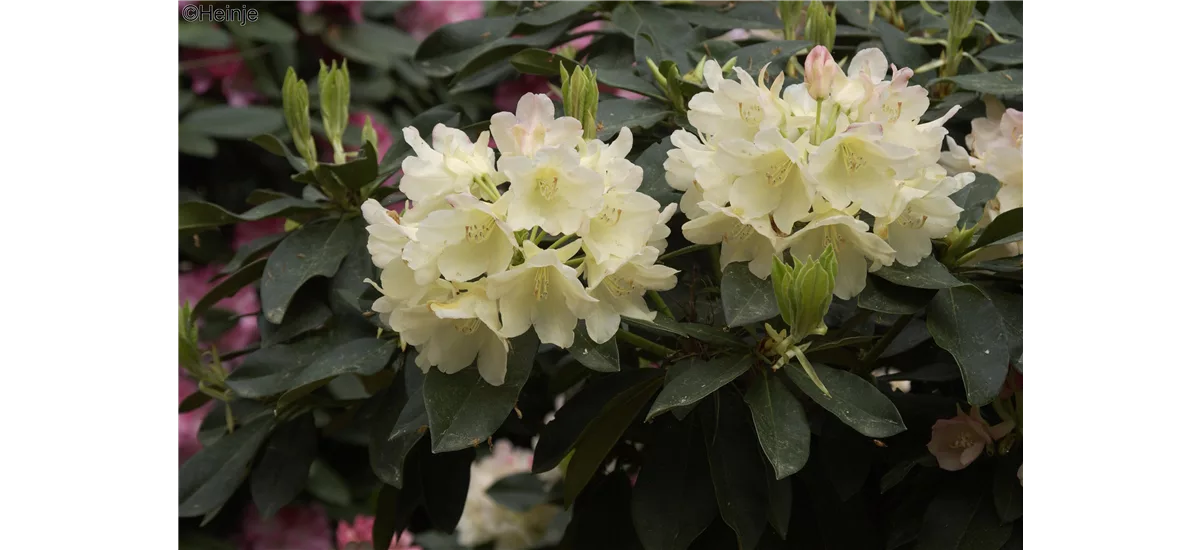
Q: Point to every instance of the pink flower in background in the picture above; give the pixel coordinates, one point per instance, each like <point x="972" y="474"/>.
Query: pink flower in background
<point x="509" y="92"/>
<point x="353" y="7"/>
<point x="189" y="422"/>
<point x="226" y="67"/>
<point x="357" y="536"/>
<point x="422" y="17"/>
<point x="295" y="527"/>
<point x="248" y="231"/>
<point x="958" y="441"/>
<point x="195" y="283"/>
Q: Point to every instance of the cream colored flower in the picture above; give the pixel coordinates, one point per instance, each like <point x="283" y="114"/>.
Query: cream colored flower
<point x="542" y="292"/>
<point x="451" y="165"/>
<point x="462" y="242"/>
<point x="769" y="178"/>
<point x="485" y="521"/>
<point x="741" y="239"/>
<point x="858" y="251"/>
<point x="551" y="190"/>
<point x="533" y="127"/>
<point x="736" y="108"/>
<point x="619" y="292"/>
<point x="928" y="213"/>
<point x="453" y="333"/>
<point x="691" y="168"/>
<point x="858" y="166"/>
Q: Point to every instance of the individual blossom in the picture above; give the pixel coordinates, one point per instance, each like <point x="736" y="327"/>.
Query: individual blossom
<point x="927" y="213"/>
<point x="551" y="190"/>
<point x="658" y="235"/>
<point x="741" y="239"/>
<point x="856" y="165"/>
<point x="819" y="72"/>
<point x="533" y="127"/>
<point x="736" y="109"/>
<point x="768" y="178"/>
<point x="294" y="527"/>
<point x="858" y="251"/>
<point x="400" y="291"/>
<point x="691" y="168"/>
<point x="451" y="165"/>
<point x="485" y="521"/>
<point x="452" y="332"/>
<point x="352" y="8"/>
<point x="461" y="243"/>
<point x="958" y="441"/>
<point x="543" y="293"/>
<point x="226" y="68"/>
<point x="357" y="535"/>
<point x="386" y="235"/>
<point x="422" y="17"/>
<point x="619" y="291"/>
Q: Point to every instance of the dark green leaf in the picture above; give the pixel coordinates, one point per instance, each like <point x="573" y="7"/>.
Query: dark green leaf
<point x="561" y="434"/>
<point x="519" y="492"/>
<point x="464" y="410"/>
<point x="267" y="28"/>
<point x="858" y="403"/>
<point x="371" y="43"/>
<point x="698" y="380"/>
<point x="250" y="251"/>
<point x="193" y="402"/>
<point x="275" y="146"/>
<point x="929" y="274"/>
<point x="673" y="500"/>
<point x="269" y="371"/>
<point x="326" y="484"/>
<point x="192" y="143"/>
<point x="384" y="527"/>
<point x="313" y="250"/>
<point x="204" y="36"/>
<point x="776" y="53"/>
<point x="1004" y="83"/>
<point x="961" y="517"/>
<point x="541" y="62"/>
<point x="1004" y="54"/>
<point x="779" y="504"/>
<point x="446" y="478"/>
<point x="283" y="471"/>
<point x="1007" y="493"/>
<point x="602" y="433"/>
<point x="965" y="323"/>
<point x="899" y="50"/>
<point x="654" y="173"/>
<point x="974" y="198"/>
<point x="364" y="356"/>
<point x="396" y="427"/>
<point x="229" y="286"/>
<point x="223" y="121"/>
<point x="598" y="357"/>
<point x="1003" y="265"/>
<point x="347" y="286"/>
<point x="705" y="333"/>
<point x="884" y="297"/>
<point x="550" y="12"/>
<point x="306" y="317"/>
<point x="1001" y="229"/>
<point x="780" y="423"/>
<point x="738" y="473"/>
<point x="745" y="298"/>
<point x="210" y="477"/>
<point x="742" y="15"/>
<point x="657" y="32"/>
<point x="1000" y="17"/>
<point x="1008" y="302"/>
<point x="201" y="215"/>
<point x="613" y="114"/>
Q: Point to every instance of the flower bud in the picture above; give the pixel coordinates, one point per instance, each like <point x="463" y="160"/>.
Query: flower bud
<point x="581" y="97"/>
<point x="962" y="19"/>
<point x="335" y="105"/>
<point x="805" y="291"/>
<point x="821" y="27"/>
<point x="295" y="111"/>
<point x="369" y="135"/>
<point x="819" y="72"/>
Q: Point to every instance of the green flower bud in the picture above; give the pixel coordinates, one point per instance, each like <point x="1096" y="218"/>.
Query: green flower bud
<point x="805" y="291"/>
<point x="369" y="135"/>
<point x="789" y="13"/>
<point x="728" y="66"/>
<point x="658" y="76"/>
<point x="295" y="111"/>
<point x="335" y="105"/>
<point x="962" y="18"/>
<point x="697" y="74"/>
<point x="581" y="97"/>
<point x="821" y="27"/>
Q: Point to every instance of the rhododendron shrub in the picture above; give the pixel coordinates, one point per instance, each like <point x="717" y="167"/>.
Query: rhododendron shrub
<point x="615" y="275"/>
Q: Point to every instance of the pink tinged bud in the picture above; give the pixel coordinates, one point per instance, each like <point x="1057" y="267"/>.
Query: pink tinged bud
<point x="819" y="72"/>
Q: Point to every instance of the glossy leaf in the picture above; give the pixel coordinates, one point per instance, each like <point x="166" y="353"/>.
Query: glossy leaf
<point x="613" y="114"/>
<point x="364" y="356"/>
<point x="229" y="286"/>
<point x="546" y="13"/>
<point x="371" y="43"/>
<point x="776" y="53"/>
<point x="928" y="274"/>
<point x="201" y="215"/>
<point x="738" y="474"/>
<point x="1008" y="302"/>
<point x="445" y="478"/>
<point x="397" y="426"/>
<point x="962" y="517"/>
<point x="1007" y="82"/>
<point x="282" y="473"/>
<point x="1001" y="229"/>
<point x="313" y="250"/>
<point x="965" y="323"/>
<point x="654" y="173"/>
<point x="698" y="380"/>
<point x="309" y="316"/>
<point x="885" y="297"/>
<point x="251" y="251"/>
<point x="781" y="424"/>
<point x="673" y="500"/>
<point x="856" y="402"/>
<point x="745" y="298"/>
<point x="518" y="492"/>
<point x="210" y="477"/>
<point x="974" y="197"/>
<point x="598" y="357"/>
<point x="223" y="121"/>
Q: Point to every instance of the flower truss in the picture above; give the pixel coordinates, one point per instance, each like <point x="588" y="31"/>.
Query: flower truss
<point x="489" y="248"/>
<point x="795" y="169"/>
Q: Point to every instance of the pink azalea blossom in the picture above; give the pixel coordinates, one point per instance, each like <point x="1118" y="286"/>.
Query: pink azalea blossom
<point x="353" y="7"/>
<point x="248" y="231"/>
<point x="295" y="527"/>
<point x="958" y="441"/>
<point x="422" y="17"/>
<point x="224" y="67"/>
<point x="357" y="536"/>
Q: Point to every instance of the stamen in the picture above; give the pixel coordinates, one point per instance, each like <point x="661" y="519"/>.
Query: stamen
<point x="852" y="160"/>
<point x="466" y="326"/>
<point x="751" y="114"/>
<point x="609" y="215"/>
<point x="779" y="172"/>
<point x="547" y="187"/>
<point x="393" y="215"/>
<point x="620" y="286"/>
<point x="479" y="232"/>
<point x="541" y="283"/>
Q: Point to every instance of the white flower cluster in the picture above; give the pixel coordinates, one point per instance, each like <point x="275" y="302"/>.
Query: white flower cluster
<point x="468" y="265"/>
<point x="996" y="149"/>
<point x="486" y="521"/>
<point x="774" y="171"/>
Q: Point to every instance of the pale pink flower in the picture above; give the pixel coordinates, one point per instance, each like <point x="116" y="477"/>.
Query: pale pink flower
<point x="295" y="527"/>
<point x="357" y="536"/>
<point x="248" y="231"/>
<point x="422" y="17"/>
<point x="353" y="8"/>
<point x="224" y="67"/>
<point x="819" y="72"/>
<point x="958" y="441"/>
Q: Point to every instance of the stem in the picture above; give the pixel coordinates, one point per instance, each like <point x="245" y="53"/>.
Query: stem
<point x="561" y="241"/>
<point x="857" y="318"/>
<point x="882" y="344"/>
<point x="535" y="234"/>
<point x="660" y="305"/>
<point x="574" y="262"/>
<point x="817" y="131"/>
<point x="685" y="250"/>
<point x="644" y="344"/>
